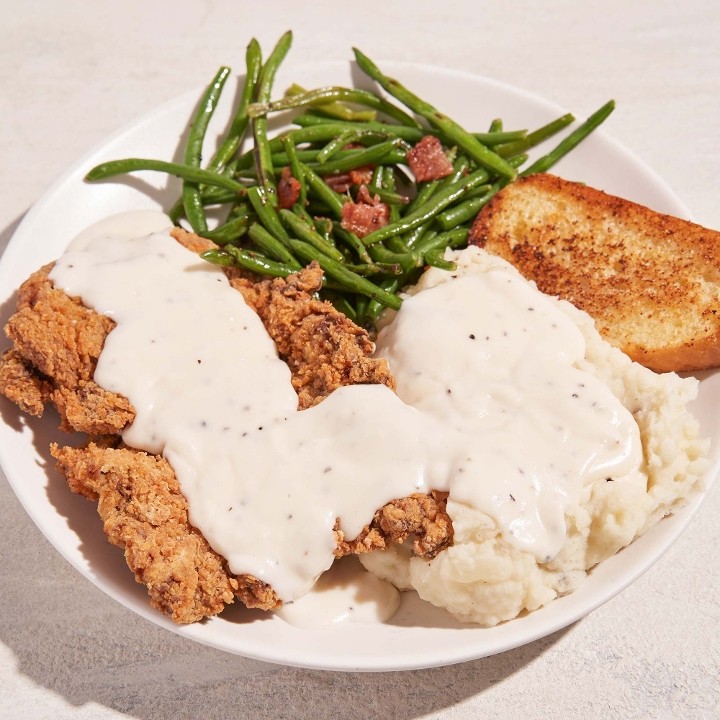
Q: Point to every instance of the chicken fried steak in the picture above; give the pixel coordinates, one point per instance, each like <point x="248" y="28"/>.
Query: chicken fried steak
<point x="56" y="344"/>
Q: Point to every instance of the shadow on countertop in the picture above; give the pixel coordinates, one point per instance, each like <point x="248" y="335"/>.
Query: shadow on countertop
<point x="71" y="639"/>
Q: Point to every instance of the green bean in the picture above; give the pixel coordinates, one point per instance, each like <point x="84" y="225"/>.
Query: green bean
<point x="192" y="202"/>
<point x="238" y="127"/>
<point x="263" y="160"/>
<point x="316" y="133"/>
<point x="278" y="160"/>
<point x="412" y="238"/>
<point x="432" y="207"/>
<point x="352" y="241"/>
<point x="387" y="193"/>
<point x="340" y="273"/>
<point x="476" y="200"/>
<point x="383" y="186"/>
<point x="435" y="258"/>
<point x="337" y="143"/>
<point x="536" y="137"/>
<point x="303" y="231"/>
<point x="296" y="169"/>
<point x="113" y="168"/>
<point x="218" y="257"/>
<point x="323" y="95"/>
<point x="302" y="213"/>
<point x="427" y="190"/>
<point x="390" y="151"/>
<point x="424" y="193"/>
<point x="467" y="210"/>
<point x="471" y="145"/>
<point x="451" y="238"/>
<point x="271" y="246"/>
<point x="409" y="133"/>
<point x="500" y="137"/>
<point x="373" y="309"/>
<point x="392" y="199"/>
<point x="461" y="167"/>
<point x="266" y="213"/>
<point x="325" y="227"/>
<point x="545" y="162"/>
<point x="406" y="260"/>
<point x="229" y="231"/>
<point x="334" y="110"/>
<point x="323" y="191"/>
<point x="211" y="196"/>
<point x="374" y="268"/>
<point x="247" y="259"/>
<point x="347" y="137"/>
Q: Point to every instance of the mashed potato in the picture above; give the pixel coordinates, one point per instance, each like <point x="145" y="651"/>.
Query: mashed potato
<point x="483" y="578"/>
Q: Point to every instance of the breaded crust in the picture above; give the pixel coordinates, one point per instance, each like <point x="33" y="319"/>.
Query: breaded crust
<point x="56" y="345"/>
<point x="650" y="281"/>
<point x="421" y="517"/>
<point x="145" y="513"/>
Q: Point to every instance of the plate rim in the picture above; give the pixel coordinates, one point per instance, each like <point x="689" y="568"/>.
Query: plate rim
<point x="15" y="248"/>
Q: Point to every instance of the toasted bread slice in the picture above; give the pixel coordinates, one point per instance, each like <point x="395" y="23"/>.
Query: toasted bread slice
<point x="650" y="281"/>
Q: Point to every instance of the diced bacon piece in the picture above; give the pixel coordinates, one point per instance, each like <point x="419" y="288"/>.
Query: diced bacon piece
<point x="339" y="183"/>
<point x="428" y="160"/>
<point x="288" y="189"/>
<point x="343" y="182"/>
<point x="362" y="175"/>
<point x="364" y="196"/>
<point x="365" y="215"/>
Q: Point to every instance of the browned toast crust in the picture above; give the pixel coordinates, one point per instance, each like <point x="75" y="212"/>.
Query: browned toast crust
<point x="651" y="281"/>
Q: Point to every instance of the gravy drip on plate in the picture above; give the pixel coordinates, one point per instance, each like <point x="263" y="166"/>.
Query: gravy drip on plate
<point x="489" y="406"/>
<point x="346" y="593"/>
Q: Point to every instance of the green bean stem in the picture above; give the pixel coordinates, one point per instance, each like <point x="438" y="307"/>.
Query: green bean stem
<point x="536" y="136"/>
<point x="113" y="168"/>
<point x="544" y="163"/>
<point x="454" y="132"/>
<point x="323" y="95"/>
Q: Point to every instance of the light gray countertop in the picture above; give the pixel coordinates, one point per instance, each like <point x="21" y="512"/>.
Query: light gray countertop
<point x="73" y="72"/>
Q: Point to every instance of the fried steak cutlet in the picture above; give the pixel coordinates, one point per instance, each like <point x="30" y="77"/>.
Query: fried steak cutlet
<point x="56" y="345"/>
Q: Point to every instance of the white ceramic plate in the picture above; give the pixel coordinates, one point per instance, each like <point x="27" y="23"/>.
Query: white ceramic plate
<point x="419" y="635"/>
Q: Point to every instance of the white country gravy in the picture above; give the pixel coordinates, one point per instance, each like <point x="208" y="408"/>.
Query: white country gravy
<point x="489" y="406"/>
<point x="345" y="593"/>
